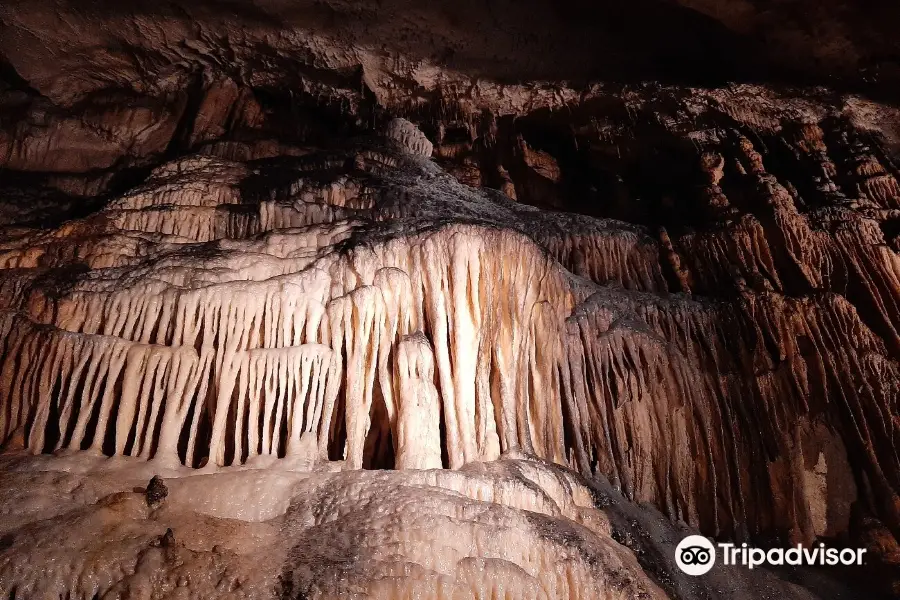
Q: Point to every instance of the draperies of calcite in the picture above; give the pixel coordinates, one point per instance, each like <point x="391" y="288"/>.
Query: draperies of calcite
<point x="265" y="352"/>
<point x="417" y="344"/>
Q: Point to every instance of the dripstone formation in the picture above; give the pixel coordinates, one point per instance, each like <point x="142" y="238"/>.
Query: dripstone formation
<point x="398" y="301"/>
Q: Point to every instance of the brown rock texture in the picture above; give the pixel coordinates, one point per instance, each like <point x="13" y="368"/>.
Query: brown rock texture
<point x="420" y="301"/>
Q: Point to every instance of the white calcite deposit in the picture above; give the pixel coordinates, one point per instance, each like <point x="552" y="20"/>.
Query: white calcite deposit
<point x="508" y="529"/>
<point x="414" y="343"/>
<point x="265" y="341"/>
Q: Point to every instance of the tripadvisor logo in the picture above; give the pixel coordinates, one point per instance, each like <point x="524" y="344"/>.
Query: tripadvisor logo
<point x="696" y="555"/>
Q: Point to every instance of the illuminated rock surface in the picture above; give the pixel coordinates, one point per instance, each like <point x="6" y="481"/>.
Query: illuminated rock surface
<point x="390" y="325"/>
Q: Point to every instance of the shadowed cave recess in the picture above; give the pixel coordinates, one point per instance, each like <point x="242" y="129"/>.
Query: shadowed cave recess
<point x="416" y="300"/>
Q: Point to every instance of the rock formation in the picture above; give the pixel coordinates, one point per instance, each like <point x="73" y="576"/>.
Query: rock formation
<point x="443" y="317"/>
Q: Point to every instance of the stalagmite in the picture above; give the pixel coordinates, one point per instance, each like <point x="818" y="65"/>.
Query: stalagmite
<point x="418" y="415"/>
<point x="408" y="136"/>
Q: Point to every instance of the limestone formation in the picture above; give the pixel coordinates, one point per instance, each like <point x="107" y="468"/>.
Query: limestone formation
<point x="443" y="317"/>
<point x="407" y="136"/>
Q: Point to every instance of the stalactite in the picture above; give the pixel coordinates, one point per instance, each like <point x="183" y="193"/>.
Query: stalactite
<point x="356" y="322"/>
<point x="316" y="329"/>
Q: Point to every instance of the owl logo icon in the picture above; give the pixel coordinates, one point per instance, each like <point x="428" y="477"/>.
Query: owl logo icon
<point x="695" y="555"/>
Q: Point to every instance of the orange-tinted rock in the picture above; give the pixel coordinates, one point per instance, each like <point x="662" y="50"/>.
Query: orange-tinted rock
<point x="228" y="254"/>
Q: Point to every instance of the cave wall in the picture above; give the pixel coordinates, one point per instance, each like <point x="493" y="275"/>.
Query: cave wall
<point x="253" y="236"/>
